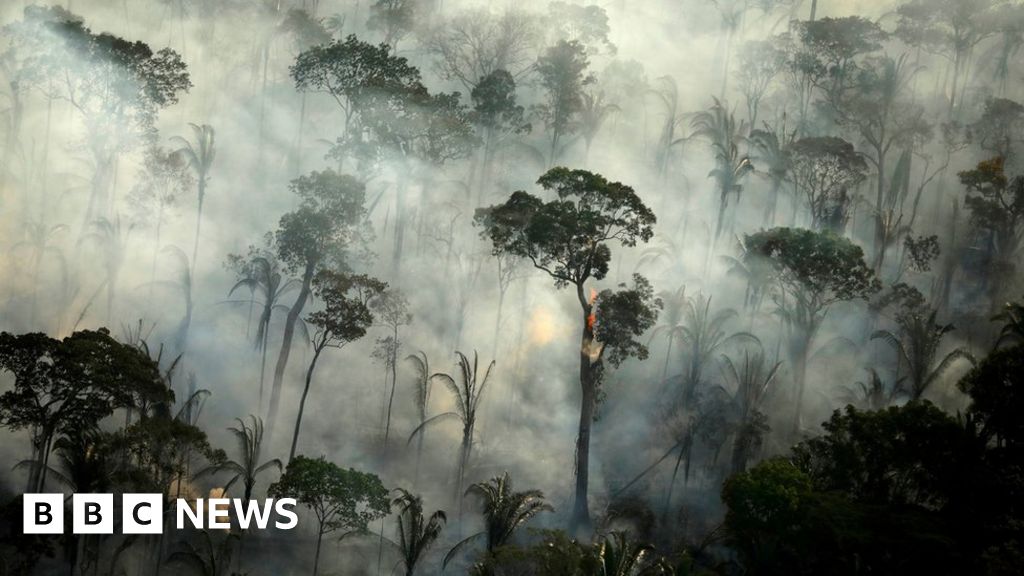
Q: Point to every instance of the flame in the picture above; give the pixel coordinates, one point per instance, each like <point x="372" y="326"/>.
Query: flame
<point x="592" y="318"/>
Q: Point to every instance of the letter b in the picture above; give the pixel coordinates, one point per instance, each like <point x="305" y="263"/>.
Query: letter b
<point x="43" y="514"/>
<point x="92" y="513"/>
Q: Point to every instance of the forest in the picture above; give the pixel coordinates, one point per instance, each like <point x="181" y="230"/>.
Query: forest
<point x="554" y="288"/>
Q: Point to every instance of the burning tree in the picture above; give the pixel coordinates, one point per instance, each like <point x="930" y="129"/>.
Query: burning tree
<point x="568" y="238"/>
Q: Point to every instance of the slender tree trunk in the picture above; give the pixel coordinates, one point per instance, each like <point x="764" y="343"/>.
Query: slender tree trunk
<point x="393" y="360"/>
<point x="580" y="520"/>
<point x="286" y="346"/>
<point x="302" y="402"/>
<point x="316" y="556"/>
<point x="199" y="222"/>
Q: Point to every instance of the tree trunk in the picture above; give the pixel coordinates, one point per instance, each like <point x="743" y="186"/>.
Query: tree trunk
<point x="393" y="360"/>
<point x="286" y="346"/>
<point x="199" y="222"/>
<point x="580" y="520"/>
<point x="302" y="402"/>
<point x="316" y="556"/>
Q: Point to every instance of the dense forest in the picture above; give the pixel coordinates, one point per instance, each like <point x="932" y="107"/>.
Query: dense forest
<point x="658" y="287"/>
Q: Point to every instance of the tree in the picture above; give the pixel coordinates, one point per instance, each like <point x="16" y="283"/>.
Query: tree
<point x="117" y="86"/>
<point x="345" y="317"/>
<point x="475" y="43"/>
<point x="761" y="61"/>
<point x="826" y="169"/>
<point x="874" y="104"/>
<point x="65" y="385"/>
<point x="416" y="532"/>
<point x="424" y="381"/>
<point x="568" y="238"/>
<point x="752" y="379"/>
<point x="996" y="203"/>
<point x="773" y="150"/>
<point x="200" y="155"/>
<point x="162" y="183"/>
<point x="504" y="511"/>
<point x="563" y="74"/>
<point x="719" y="127"/>
<point x="467" y="394"/>
<point x="584" y="24"/>
<point x="917" y="346"/>
<point x="261" y="271"/>
<point x="999" y="127"/>
<point x="345" y="501"/>
<point x="247" y="468"/>
<point x="495" y="111"/>
<point x="995" y="388"/>
<point x="394" y="18"/>
<point x="837" y="42"/>
<point x="591" y="117"/>
<point x="392" y="308"/>
<point x="355" y="74"/>
<point x="810" y="271"/>
<point x="950" y="29"/>
<point x="325" y="227"/>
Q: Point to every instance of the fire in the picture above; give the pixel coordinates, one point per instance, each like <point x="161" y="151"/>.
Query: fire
<point x="592" y="318"/>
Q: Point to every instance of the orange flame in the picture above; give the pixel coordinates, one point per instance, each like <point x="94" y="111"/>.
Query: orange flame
<point x="592" y="318"/>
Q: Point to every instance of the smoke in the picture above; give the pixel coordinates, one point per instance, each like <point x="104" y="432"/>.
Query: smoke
<point x="530" y="408"/>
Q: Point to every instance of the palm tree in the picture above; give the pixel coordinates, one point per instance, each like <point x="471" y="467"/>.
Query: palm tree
<point x="416" y="533"/>
<point x="668" y="94"/>
<point x="719" y="127"/>
<point x="247" y="468"/>
<point x="772" y="148"/>
<point x="467" y="394"/>
<point x="671" y="325"/>
<point x="39" y="243"/>
<point x="617" y="555"/>
<point x="424" y="379"/>
<point x="752" y="380"/>
<point x="1012" y="318"/>
<point x="208" y="558"/>
<point x="112" y="238"/>
<point x="263" y="275"/>
<point x="504" y="511"/>
<point x="873" y="394"/>
<point x="200" y="156"/>
<point x="591" y="117"/>
<point x="702" y="331"/>
<point x="917" y="347"/>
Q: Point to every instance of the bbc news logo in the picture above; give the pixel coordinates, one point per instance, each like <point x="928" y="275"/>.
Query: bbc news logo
<point x="144" y="513"/>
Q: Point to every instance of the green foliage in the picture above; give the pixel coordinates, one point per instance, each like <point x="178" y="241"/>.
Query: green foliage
<point x="247" y="467"/>
<point x="346" y="313"/>
<point x="622" y="316"/>
<point x="327" y="225"/>
<point x="568" y="237"/>
<point x="817" y="269"/>
<point x="494" y="104"/>
<point x="416" y="532"/>
<point x="996" y="388"/>
<point x="345" y="500"/>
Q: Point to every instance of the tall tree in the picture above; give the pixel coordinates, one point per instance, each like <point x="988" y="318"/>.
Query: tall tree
<point x="810" y="272"/>
<point x="467" y="393"/>
<point x="718" y="125"/>
<point x="996" y="204"/>
<point x="568" y="238"/>
<point x="200" y="155"/>
<point x="917" y="344"/>
<point x="825" y="171"/>
<point x="392" y="310"/>
<point x="341" y="500"/>
<point x="504" y="511"/>
<point x="327" y="225"/>
<point x="344" y="318"/>
<point x="416" y="533"/>
<point x="563" y="75"/>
